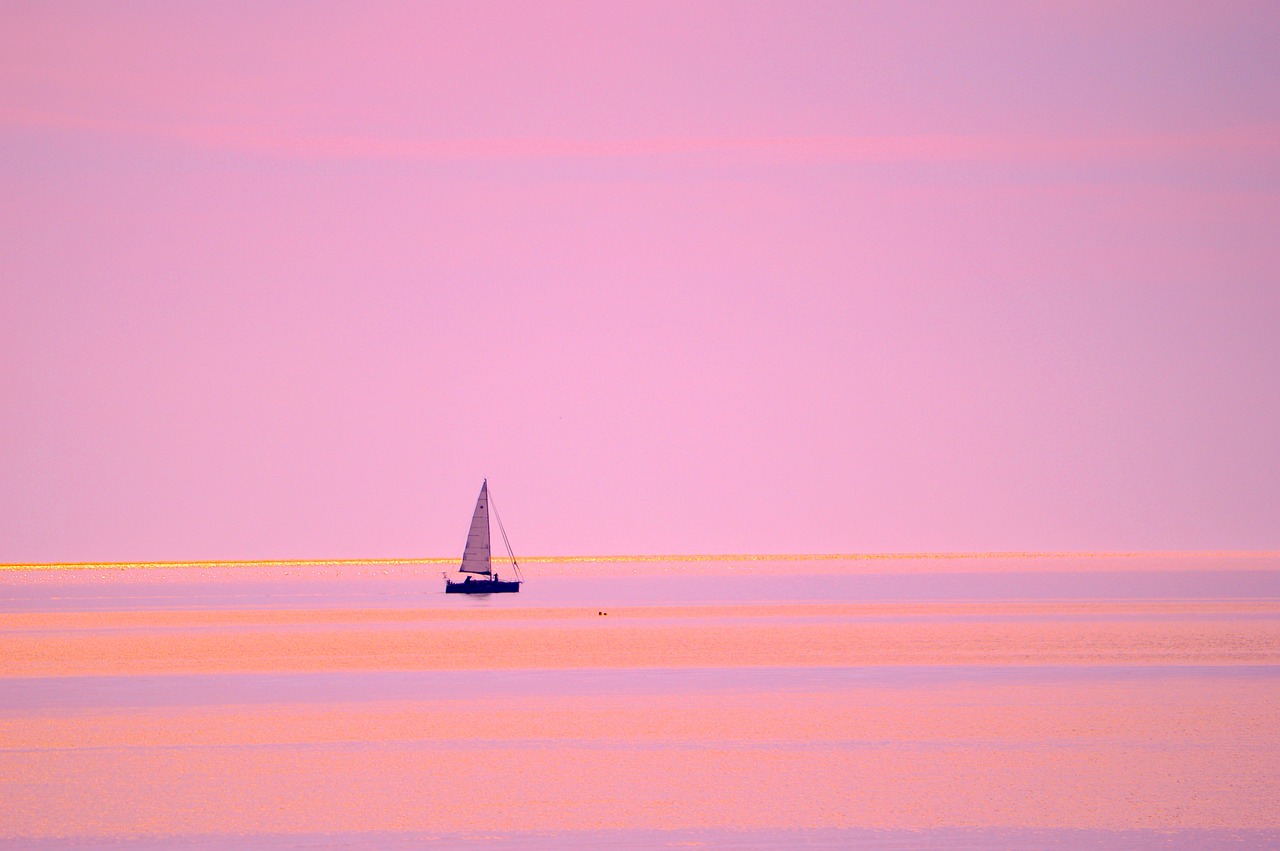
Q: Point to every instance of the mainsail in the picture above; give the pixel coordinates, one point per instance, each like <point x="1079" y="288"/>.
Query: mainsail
<point x="475" y="558"/>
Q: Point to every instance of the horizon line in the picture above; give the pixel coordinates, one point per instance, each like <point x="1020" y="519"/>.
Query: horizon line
<point x="571" y="559"/>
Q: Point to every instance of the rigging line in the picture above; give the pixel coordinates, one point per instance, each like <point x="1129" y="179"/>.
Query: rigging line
<point x="502" y="529"/>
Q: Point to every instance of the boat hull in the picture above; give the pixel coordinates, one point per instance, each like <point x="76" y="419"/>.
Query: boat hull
<point x="482" y="586"/>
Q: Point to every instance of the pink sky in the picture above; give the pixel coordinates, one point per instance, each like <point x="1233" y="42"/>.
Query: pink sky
<point x="288" y="280"/>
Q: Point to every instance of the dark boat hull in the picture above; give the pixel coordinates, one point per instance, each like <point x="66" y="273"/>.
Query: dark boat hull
<point x="482" y="586"/>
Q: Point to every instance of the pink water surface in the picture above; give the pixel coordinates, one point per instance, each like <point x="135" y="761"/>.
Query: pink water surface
<point x="749" y="721"/>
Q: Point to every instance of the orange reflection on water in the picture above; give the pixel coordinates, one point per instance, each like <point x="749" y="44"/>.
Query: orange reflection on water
<point x="63" y="644"/>
<point x="1163" y="752"/>
<point x="1187" y="735"/>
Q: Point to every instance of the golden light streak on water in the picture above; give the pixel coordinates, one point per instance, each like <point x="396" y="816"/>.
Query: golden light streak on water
<point x="642" y="559"/>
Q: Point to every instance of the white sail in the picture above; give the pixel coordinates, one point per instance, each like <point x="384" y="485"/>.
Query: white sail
<point x="475" y="558"/>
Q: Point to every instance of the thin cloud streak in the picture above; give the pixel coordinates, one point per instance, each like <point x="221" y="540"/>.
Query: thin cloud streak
<point x="928" y="148"/>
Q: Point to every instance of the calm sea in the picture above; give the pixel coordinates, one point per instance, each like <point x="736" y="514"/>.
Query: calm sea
<point x="1174" y="755"/>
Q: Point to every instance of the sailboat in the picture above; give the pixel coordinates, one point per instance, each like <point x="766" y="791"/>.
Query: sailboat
<point x="476" y="562"/>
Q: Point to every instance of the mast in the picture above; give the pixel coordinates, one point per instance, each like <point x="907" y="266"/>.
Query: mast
<point x="475" y="556"/>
